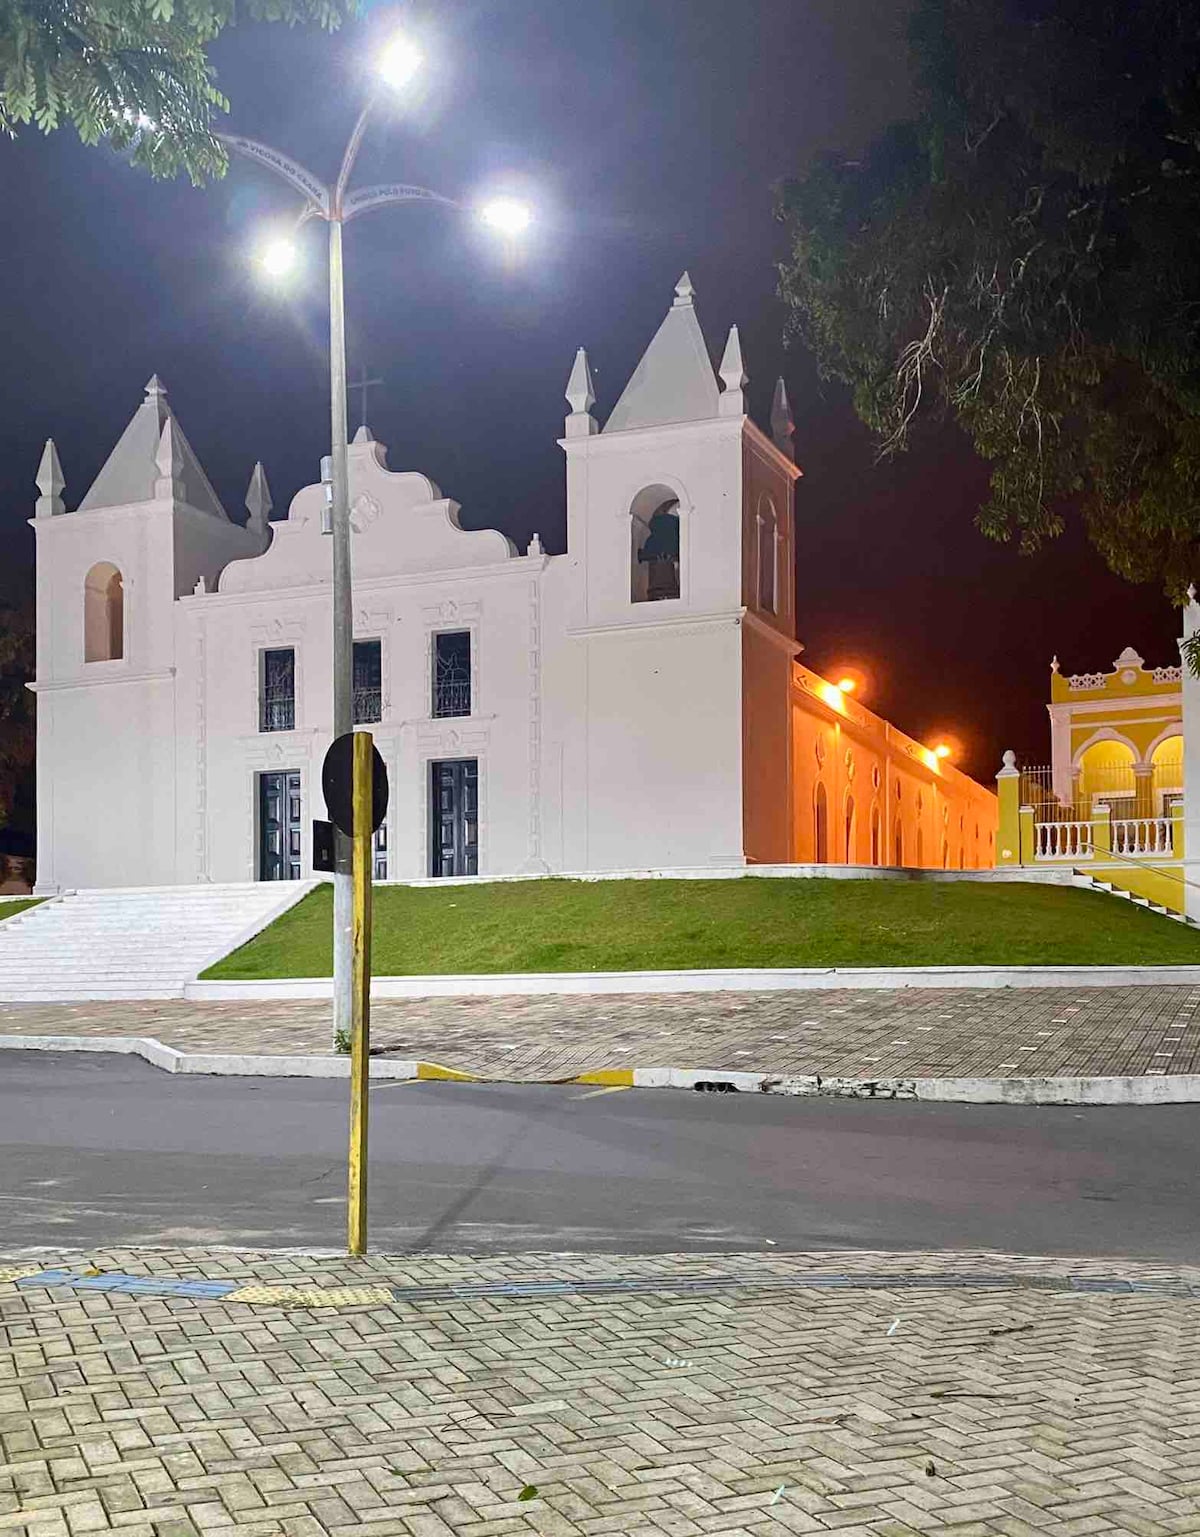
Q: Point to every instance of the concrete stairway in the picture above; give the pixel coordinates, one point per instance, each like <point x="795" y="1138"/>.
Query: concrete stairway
<point x="136" y="942"/>
<point x="1109" y="888"/>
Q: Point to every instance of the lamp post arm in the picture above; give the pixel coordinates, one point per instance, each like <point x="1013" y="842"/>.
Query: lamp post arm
<point x="385" y="193"/>
<point x="351" y="155"/>
<point x="314" y="192"/>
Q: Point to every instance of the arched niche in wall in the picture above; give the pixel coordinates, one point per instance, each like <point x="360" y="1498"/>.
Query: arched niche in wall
<point x="103" y="614"/>
<point x="654" y="567"/>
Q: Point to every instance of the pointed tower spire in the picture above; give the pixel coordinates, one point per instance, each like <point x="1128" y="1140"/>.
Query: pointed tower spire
<point x="258" y="500"/>
<point x="733" y="376"/>
<point x="783" y="424"/>
<point x="674" y="382"/>
<point x="581" y="397"/>
<point x="50" y="483"/>
<point x="169" y="460"/>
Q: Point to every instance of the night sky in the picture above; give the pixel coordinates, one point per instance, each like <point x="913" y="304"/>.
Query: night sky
<point x="651" y="133"/>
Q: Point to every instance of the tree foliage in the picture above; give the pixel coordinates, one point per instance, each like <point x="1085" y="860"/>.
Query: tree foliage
<point x="1024" y="258"/>
<point x="17" y="732"/>
<point x="134" y="72"/>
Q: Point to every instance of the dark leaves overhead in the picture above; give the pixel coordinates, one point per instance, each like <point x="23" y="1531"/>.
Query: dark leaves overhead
<point x="134" y="72"/>
<point x="1024" y="257"/>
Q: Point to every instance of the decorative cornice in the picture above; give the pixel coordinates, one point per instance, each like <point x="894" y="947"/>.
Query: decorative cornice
<point x="55" y="687"/>
<point x="769" y="632"/>
<point x="676" y="622"/>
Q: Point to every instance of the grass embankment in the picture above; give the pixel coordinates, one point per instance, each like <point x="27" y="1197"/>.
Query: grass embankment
<point x="562" y="925"/>
<point x="11" y="906"/>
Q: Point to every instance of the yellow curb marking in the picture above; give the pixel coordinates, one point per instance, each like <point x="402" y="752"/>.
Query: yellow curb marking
<point x="450" y="1074"/>
<point x="312" y="1296"/>
<point x="18" y="1272"/>
<point x="618" y="1077"/>
<point x="613" y="1088"/>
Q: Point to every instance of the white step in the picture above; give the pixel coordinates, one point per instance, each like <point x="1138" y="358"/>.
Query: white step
<point x="144" y="942"/>
<point x="1111" y="890"/>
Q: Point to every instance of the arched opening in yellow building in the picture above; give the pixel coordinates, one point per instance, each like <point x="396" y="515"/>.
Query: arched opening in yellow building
<point x="1105" y="777"/>
<point x="850" y="829"/>
<point x="821" y="825"/>
<point x="1166" y="775"/>
<point x="874" y="835"/>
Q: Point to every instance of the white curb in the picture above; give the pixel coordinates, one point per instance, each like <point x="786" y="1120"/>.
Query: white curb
<point x="230" y="1065"/>
<point x="1160" y="1089"/>
<point x="733" y="980"/>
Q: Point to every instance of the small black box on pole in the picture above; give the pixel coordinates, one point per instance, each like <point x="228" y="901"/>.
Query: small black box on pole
<point x="322" y="847"/>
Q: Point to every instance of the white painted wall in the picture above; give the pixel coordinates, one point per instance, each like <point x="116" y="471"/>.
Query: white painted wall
<point x="609" y="734"/>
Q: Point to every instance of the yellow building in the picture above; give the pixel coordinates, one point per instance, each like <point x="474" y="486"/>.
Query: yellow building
<point x="1110" y="802"/>
<point x="864" y="793"/>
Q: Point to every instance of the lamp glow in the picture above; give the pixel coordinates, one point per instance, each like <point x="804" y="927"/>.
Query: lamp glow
<point x="942" y="751"/>
<point x="399" y="62"/>
<point x="847" y="685"/>
<point x="278" y="258"/>
<point x="506" y="215"/>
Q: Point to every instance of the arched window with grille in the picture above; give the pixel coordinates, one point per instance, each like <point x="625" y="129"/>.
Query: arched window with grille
<point x="103" y="614"/>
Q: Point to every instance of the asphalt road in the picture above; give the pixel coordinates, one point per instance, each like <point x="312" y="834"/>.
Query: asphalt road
<point x="97" y="1149"/>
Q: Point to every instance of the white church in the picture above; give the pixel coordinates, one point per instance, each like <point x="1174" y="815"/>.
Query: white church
<point x="623" y="706"/>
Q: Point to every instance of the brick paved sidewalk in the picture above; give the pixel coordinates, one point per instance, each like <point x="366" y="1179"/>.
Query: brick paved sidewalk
<point x="870" y="1413"/>
<point x="917" y="1032"/>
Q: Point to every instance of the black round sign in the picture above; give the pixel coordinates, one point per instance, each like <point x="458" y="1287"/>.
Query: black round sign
<point x="337" y="781"/>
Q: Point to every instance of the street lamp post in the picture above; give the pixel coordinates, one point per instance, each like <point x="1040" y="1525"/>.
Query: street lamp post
<point x="337" y="206"/>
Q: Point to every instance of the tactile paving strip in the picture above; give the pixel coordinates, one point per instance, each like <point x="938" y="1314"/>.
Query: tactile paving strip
<point x="313" y="1296"/>
<point x="16" y="1272"/>
<point x="381" y="1295"/>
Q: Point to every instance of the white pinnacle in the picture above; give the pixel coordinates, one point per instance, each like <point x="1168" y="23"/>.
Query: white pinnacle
<point x="685" y="292"/>
<point x="50" y="482"/>
<point x="733" y="375"/>
<point x="50" y="478"/>
<point x="258" y="496"/>
<point x="581" y="395"/>
<point x="783" y="425"/>
<point x="169" y="458"/>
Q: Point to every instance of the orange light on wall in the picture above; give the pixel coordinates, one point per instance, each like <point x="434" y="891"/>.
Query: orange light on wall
<point x="848" y="678"/>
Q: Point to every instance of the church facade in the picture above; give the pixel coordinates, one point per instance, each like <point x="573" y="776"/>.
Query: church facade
<point x="633" y="704"/>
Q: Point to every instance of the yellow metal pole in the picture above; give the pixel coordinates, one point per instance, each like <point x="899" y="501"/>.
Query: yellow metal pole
<point x="360" y="999"/>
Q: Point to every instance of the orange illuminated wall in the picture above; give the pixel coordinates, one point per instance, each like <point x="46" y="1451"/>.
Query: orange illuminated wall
<point x="873" y="795"/>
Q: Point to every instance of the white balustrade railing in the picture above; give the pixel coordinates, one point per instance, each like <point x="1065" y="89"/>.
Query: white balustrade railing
<point x="1131" y="837"/>
<point x="1142" y="835"/>
<point x="1062" y="840"/>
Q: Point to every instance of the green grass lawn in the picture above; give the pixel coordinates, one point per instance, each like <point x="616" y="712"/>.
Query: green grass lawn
<point x="11" y="906"/>
<point x="561" y="925"/>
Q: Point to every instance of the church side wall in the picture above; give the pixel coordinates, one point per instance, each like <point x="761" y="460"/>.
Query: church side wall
<point x="885" y="802"/>
<point x="766" y="745"/>
<point x="768" y="646"/>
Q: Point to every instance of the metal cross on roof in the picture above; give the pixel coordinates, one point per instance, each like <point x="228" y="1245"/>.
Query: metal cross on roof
<point x="364" y="384"/>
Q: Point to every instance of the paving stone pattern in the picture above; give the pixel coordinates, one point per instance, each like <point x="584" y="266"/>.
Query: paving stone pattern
<point x="888" y="1413"/>
<point x="906" y="1032"/>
